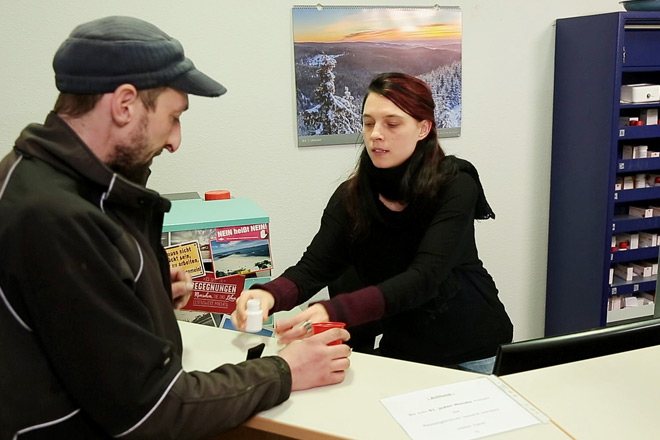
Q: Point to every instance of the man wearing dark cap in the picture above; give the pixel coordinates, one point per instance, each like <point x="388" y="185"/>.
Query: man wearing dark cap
<point x="89" y="344"/>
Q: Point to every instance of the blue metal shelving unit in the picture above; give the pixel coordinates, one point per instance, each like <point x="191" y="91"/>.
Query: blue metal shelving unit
<point x="594" y="56"/>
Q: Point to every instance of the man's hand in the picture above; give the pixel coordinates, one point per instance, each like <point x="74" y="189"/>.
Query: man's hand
<point x="314" y="363"/>
<point x="182" y="286"/>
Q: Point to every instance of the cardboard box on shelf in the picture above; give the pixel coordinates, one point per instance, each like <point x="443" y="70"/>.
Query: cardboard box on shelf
<point x="638" y="211"/>
<point x="649" y="116"/>
<point x="647" y="239"/>
<point x="640" y="151"/>
<point x="624" y="272"/>
<point x="642" y="269"/>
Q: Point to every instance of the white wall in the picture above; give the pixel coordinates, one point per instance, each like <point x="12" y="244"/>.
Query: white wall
<point x="245" y="140"/>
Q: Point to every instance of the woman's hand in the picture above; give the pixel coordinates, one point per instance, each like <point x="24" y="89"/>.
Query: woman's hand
<point x="239" y="316"/>
<point x="291" y="329"/>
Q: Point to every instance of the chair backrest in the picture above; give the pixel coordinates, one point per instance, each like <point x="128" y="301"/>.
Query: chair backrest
<point x="544" y="352"/>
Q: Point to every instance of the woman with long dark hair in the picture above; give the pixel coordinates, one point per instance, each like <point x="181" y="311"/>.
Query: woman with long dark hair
<point x="404" y="221"/>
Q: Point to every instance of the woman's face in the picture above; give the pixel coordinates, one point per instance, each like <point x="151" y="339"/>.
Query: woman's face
<point x="390" y="134"/>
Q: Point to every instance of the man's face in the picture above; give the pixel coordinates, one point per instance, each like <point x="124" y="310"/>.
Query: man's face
<point x="151" y="133"/>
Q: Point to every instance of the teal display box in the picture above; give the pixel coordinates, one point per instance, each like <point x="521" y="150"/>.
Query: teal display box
<point x="196" y="214"/>
<point x="204" y="221"/>
<point x="233" y="238"/>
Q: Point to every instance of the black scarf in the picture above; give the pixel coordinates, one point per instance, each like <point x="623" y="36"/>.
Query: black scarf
<point x="387" y="181"/>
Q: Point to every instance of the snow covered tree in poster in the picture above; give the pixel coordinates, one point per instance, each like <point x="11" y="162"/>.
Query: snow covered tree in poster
<point x="338" y="50"/>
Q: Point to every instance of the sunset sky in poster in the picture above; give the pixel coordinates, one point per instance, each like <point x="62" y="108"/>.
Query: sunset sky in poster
<point x="377" y="24"/>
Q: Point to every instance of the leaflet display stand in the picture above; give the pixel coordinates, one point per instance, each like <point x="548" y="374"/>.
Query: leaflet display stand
<point x="233" y="241"/>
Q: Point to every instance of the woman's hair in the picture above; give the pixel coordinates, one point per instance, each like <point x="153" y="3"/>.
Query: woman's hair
<point x="424" y="174"/>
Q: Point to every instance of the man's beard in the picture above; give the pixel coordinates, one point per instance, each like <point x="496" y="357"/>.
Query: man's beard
<point x="127" y="159"/>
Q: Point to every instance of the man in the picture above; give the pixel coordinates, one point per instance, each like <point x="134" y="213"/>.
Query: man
<point x="89" y="346"/>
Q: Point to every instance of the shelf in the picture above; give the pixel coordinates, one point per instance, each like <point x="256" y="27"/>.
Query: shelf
<point x="627" y="223"/>
<point x="649" y="253"/>
<point x="630" y="313"/>
<point x="639" y="132"/>
<point x="633" y="165"/>
<point x="639" y="284"/>
<point x="629" y="105"/>
<point x="634" y="195"/>
<point x="639" y="69"/>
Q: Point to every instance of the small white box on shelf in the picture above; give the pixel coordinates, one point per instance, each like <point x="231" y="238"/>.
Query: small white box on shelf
<point x="640" y="180"/>
<point x="638" y="211"/>
<point x="614" y="303"/>
<point x="618" y="186"/>
<point x="654" y="266"/>
<point x="628" y="182"/>
<point x="624" y="271"/>
<point x="611" y="275"/>
<point x="643" y="92"/>
<point x="649" y="116"/>
<point x="640" y="151"/>
<point x="650" y="153"/>
<point x="627" y="152"/>
<point x="647" y="239"/>
<point x="642" y="269"/>
<point x="631" y="301"/>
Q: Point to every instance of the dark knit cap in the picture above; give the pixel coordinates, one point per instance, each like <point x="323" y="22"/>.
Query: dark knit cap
<point x="103" y="54"/>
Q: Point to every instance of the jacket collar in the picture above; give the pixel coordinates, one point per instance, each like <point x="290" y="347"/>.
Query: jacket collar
<point x="57" y="144"/>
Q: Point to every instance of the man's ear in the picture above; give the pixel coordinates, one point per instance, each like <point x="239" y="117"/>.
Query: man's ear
<point x="124" y="104"/>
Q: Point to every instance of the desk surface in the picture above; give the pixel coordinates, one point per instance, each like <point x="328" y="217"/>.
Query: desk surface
<point x="609" y="397"/>
<point x="354" y="405"/>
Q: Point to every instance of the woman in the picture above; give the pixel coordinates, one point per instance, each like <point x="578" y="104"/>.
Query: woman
<point x="405" y="222"/>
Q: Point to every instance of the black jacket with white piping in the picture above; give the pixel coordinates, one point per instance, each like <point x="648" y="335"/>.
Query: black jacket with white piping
<point x="89" y="345"/>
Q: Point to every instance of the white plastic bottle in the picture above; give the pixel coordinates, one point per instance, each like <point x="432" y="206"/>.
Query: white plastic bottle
<point x="254" y="316"/>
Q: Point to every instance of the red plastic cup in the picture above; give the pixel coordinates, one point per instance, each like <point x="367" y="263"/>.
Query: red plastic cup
<point x="320" y="327"/>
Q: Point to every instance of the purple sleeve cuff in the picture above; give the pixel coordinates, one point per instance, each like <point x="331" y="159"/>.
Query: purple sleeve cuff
<point x="358" y="307"/>
<point x="283" y="290"/>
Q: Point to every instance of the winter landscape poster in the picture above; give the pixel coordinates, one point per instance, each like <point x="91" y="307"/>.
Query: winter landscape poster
<point x="338" y="50"/>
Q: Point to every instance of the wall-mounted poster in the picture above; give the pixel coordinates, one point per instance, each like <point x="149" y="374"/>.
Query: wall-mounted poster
<point x="338" y="50"/>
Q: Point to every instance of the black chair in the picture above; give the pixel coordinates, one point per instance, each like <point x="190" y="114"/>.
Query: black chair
<point x="544" y="352"/>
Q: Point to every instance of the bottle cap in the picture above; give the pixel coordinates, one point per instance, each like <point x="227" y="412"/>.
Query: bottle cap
<point x="219" y="194"/>
<point x="253" y="305"/>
